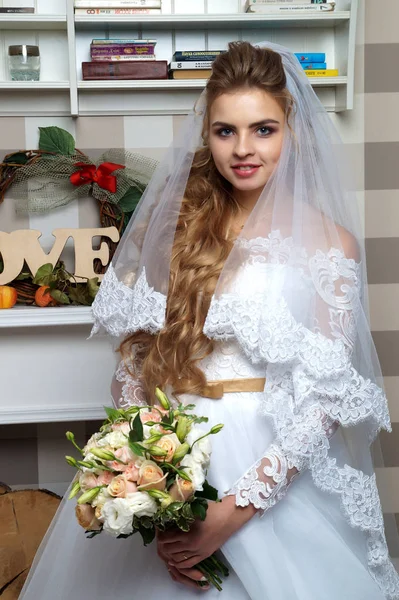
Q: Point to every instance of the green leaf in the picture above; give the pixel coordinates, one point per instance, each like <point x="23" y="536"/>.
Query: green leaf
<point x="79" y="295"/>
<point x="129" y="201"/>
<point x="199" y="509"/>
<point x="112" y="413"/>
<point x="208" y="492"/>
<point x="18" y="158"/>
<point x="43" y="272"/>
<point x="92" y="287"/>
<point x="60" y="297"/>
<point x="55" y="139"/>
<point x="138" y="428"/>
<point x="136" y="448"/>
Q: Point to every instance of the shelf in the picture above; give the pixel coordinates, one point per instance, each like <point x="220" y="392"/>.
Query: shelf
<point x="227" y="21"/>
<point x="33" y="316"/>
<point x="31" y="21"/>
<point x="179" y="84"/>
<point x="34" y="85"/>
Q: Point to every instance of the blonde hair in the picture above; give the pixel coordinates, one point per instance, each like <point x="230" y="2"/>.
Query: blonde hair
<point x="203" y="240"/>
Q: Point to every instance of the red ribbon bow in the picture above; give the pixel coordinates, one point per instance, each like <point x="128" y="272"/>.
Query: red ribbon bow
<point x="100" y="175"/>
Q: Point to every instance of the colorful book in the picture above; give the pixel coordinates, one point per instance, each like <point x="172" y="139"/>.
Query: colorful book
<point x="17" y="9"/>
<point x="316" y="65"/>
<point x="191" y="74"/>
<point x="105" y="42"/>
<point x="312" y="57"/>
<point x="190" y="64"/>
<point x="196" y="55"/>
<point x="116" y="57"/>
<point x="322" y="73"/>
<point x="128" y="49"/>
<point x="131" y="69"/>
<point x="106" y="12"/>
<point x="287" y="8"/>
<point x="117" y="3"/>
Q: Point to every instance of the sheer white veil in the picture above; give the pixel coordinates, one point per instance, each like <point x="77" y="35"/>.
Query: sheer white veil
<point x="308" y="321"/>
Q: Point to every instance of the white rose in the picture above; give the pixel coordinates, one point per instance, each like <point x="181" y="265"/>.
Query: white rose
<point x="102" y="497"/>
<point x="118" y="517"/>
<point x="116" y="439"/>
<point x="92" y="442"/>
<point x="194" y="470"/>
<point x="141" y="504"/>
<point x="201" y="451"/>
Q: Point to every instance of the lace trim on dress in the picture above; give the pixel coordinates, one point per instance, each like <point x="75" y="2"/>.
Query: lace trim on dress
<point x="122" y="310"/>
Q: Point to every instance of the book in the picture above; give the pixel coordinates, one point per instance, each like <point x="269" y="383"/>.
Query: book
<point x="287" y="8"/>
<point x="117" y="3"/>
<point x="105" y="12"/>
<point x="311" y="57"/>
<point x="105" y="42"/>
<point x="322" y="73"/>
<point x="116" y="57"/>
<point x="315" y="65"/>
<point x="190" y="64"/>
<point x="17" y="9"/>
<point x="121" y="49"/>
<point x="191" y="74"/>
<point x="196" y="55"/>
<point x="130" y="69"/>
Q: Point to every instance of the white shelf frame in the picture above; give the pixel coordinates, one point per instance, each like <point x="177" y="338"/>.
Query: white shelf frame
<point x="339" y="91"/>
<point x="34" y="316"/>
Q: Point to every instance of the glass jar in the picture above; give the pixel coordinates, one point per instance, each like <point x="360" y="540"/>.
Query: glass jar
<point x="24" y="63"/>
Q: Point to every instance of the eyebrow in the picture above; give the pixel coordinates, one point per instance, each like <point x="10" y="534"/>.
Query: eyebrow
<point x="257" y="124"/>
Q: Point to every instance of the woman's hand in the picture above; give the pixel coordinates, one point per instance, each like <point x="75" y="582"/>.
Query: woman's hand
<point x="185" y="550"/>
<point x="189" y="577"/>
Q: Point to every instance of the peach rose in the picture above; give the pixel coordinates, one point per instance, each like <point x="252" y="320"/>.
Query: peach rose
<point x="124" y="454"/>
<point x="123" y="427"/>
<point x="85" y="515"/>
<point x="169" y="443"/>
<point x="181" y="490"/>
<point x="105" y="478"/>
<point x="151" y="476"/>
<point x="87" y="481"/>
<point x="152" y="415"/>
<point x="131" y="472"/>
<point x="120" y="487"/>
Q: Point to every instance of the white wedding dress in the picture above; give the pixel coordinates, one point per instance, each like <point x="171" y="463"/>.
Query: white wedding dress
<point x="301" y="548"/>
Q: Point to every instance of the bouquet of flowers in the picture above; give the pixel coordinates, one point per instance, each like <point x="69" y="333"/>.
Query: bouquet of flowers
<point x="146" y="470"/>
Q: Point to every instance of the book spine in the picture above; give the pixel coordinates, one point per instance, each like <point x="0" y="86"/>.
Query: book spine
<point x="286" y="8"/>
<point x="313" y="57"/>
<point x="117" y="3"/>
<point x="16" y="10"/>
<point x="257" y="2"/>
<point x="125" y="70"/>
<point x="315" y="65"/>
<point x="190" y="64"/>
<point x="121" y="50"/>
<point x="322" y="73"/>
<point x="117" y="57"/>
<point x="191" y="74"/>
<point x="196" y="55"/>
<point x="90" y="12"/>
<point x="105" y="42"/>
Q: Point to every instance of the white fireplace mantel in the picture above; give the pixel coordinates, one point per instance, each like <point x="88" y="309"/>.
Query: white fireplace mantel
<point x="49" y="370"/>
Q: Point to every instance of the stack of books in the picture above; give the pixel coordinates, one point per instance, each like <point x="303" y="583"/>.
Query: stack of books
<point x="314" y="64"/>
<point x="192" y="64"/>
<point x="120" y="8"/>
<point x="287" y="6"/>
<point x="124" y="59"/>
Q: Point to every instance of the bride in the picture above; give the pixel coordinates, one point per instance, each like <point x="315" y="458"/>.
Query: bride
<point x="239" y="285"/>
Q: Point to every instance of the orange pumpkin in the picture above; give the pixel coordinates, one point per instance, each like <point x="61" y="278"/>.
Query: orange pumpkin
<point x="43" y="297"/>
<point x="8" y="296"/>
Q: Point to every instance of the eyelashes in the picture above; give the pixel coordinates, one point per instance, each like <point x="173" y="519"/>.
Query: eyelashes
<point x="226" y="132"/>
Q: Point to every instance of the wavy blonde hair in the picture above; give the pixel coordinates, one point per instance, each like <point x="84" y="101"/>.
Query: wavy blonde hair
<point x="203" y="237"/>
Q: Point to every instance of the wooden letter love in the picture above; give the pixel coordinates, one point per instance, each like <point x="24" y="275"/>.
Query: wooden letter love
<point x="23" y="244"/>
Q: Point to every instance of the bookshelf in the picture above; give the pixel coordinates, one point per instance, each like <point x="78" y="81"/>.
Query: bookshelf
<point x="64" y="41"/>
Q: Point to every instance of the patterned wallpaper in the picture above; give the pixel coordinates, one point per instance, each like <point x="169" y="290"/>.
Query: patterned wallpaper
<point x="31" y="455"/>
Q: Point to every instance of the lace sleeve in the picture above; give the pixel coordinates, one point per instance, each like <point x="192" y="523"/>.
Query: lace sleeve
<point x="126" y="389"/>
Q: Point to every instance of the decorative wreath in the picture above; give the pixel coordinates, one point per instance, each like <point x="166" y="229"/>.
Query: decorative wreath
<point x="56" y="174"/>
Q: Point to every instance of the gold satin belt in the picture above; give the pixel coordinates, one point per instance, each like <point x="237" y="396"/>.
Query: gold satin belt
<point x="216" y="389"/>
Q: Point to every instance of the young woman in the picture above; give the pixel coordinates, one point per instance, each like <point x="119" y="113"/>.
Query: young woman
<point x="239" y="285"/>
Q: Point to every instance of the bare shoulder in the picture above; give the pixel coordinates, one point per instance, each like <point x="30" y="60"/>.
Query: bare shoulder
<point x="349" y="243"/>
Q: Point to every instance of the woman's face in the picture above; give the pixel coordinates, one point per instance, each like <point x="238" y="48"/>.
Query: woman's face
<point x="245" y="138"/>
